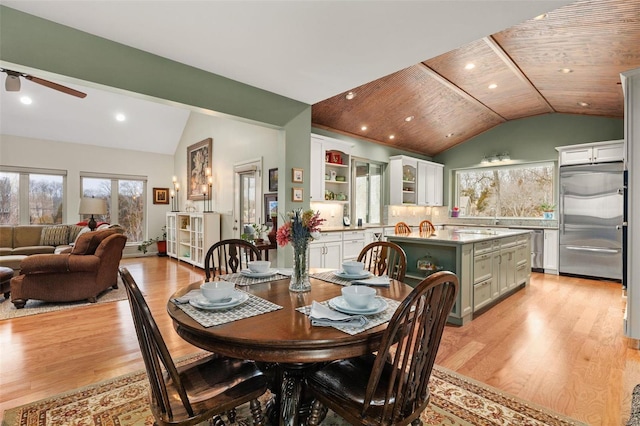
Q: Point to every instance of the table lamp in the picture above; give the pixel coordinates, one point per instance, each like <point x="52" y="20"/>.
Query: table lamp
<point x="92" y="206"/>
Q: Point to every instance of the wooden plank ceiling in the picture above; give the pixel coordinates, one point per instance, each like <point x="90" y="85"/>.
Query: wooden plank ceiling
<point x="568" y="61"/>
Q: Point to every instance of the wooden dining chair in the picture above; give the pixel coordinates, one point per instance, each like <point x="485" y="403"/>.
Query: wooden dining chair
<point x="402" y="228"/>
<point x="390" y="387"/>
<point x="427" y="227"/>
<point x="229" y="256"/>
<point x="384" y="257"/>
<point x="199" y="390"/>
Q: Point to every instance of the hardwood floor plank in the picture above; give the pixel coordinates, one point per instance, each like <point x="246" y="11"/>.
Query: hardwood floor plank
<point x="558" y="343"/>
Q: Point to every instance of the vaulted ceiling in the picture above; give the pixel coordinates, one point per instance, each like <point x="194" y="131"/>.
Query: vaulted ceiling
<point x="565" y="61"/>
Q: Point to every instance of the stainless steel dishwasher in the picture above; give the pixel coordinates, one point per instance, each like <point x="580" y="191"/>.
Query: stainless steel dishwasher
<point x="537" y="250"/>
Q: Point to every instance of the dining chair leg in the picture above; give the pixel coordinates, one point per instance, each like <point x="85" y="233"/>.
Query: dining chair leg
<point x="256" y="412"/>
<point x="314" y="417"/>
<point x="231" y="415"/>
<point x="216" y="421"/>
<point x="416" y="422"/>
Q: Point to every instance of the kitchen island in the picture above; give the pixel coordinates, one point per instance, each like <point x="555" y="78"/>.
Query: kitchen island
<point x="491" y="264"/>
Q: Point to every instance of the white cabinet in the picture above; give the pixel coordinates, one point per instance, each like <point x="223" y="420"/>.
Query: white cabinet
<point x="403" y="175"/>
<point x="352" y="243"/>
<point x="373" y="234"/>
<point x="416" y="182"/>
<point x="598" y="152"/>
<point x="326" y="251"/>
<point x="330" y="170"/>
<point x="189" y="235"/>
<point x="550" y="262"/>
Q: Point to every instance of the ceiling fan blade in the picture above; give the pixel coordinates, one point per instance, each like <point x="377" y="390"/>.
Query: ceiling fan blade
<point x="56" y="86"/>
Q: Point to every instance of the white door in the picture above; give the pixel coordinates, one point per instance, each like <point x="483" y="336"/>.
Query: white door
<point x="248" y="195"/>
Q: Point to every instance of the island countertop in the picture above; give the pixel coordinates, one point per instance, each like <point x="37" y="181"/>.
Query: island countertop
<point x="459" y="236"/>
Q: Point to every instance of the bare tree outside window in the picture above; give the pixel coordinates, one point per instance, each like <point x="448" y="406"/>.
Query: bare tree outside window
<point x="507" y="191"/>
<point x="9" y="198"/>
<point x="45" y="199"/>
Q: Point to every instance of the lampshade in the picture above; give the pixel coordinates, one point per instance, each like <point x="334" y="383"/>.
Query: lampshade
<point x="92" y="206"/>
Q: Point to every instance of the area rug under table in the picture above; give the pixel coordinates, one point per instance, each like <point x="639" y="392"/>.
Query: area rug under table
<point x="123" y="401"/>
<point x="34" y="307"/>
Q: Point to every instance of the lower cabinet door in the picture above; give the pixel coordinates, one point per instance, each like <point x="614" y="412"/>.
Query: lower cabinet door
<point x="481" y="294"/>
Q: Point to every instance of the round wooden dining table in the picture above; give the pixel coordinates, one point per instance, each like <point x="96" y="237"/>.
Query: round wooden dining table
<point x="285" y="338"/>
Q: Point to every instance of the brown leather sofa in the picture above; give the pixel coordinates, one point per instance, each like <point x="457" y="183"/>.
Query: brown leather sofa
<point x="90" y="269"/>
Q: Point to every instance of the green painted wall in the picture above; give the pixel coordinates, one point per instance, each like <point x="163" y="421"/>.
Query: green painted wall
<point x="529" y="139"/>
<point x="44" y="45"/>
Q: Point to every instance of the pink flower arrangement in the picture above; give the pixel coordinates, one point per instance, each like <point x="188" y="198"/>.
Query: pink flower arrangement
<point x="299" y="229"/>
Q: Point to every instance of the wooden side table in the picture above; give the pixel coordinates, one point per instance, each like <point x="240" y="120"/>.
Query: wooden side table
<point x="265" y="247"/>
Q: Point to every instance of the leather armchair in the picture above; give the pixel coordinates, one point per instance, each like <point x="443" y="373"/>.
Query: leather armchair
<point x="90" y="269"/>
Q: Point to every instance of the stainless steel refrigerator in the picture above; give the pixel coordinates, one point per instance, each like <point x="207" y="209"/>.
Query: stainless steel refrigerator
<point x="591" y="222"/>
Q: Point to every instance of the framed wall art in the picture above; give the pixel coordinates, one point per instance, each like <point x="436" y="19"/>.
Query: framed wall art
<point x="199" y="159"/>
<point x="296" y="175"/>
<point x="270" y="207"/>
<point x="160" y="195"/>
<point x="273" y="180"/>
<point x="296" y="194"/>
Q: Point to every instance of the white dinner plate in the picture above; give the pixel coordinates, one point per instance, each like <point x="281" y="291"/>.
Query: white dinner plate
<point x="342" y="274"/>
<point x="248" y="273"/>
<point x="238" y="298"/>
<point x="340" y="304"/>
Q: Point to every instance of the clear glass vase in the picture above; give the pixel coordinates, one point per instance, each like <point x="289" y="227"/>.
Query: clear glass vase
<point x="300" y="275"/>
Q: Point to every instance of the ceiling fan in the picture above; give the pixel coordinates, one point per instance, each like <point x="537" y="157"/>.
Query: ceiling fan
<point x="12" y="83"/>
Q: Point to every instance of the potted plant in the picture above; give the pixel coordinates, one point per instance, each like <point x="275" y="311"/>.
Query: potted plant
<point x="547" y="210"/>
<point x="161" y="242"/>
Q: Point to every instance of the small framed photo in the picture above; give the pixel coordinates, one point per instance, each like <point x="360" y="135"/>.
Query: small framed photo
<point x="296" y="194"/>
<point x="270" y="208"/>
<point x="160" y="195"/>
<point x="273" y="180"/>
<point x="297" y="175"/>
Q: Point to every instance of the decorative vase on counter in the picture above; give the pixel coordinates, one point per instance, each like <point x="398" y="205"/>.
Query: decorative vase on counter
<point x="300" y="274"/>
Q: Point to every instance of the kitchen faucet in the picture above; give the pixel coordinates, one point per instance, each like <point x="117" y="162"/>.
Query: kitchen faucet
<point x="494" y="213"/>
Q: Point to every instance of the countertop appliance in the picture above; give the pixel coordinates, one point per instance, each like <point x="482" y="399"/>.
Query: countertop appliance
<point x="591" y="222"/>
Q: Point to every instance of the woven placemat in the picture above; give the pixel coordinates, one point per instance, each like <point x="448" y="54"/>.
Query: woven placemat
<point x="243" y="280"/>
<point x="331" y="277"/>
<point x="374" y="320"/>
<point x="253" y="306"/>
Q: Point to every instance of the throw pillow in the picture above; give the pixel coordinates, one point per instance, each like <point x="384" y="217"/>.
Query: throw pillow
<point x="74" y="231"/>
<point x="88" y="242"/>
<point x="54" y="235"/>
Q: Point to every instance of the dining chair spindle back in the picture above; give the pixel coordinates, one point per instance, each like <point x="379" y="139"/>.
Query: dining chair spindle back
<point x="195" y="391"/>
<point x="391" y="386"/>
<point x="402" y="228"/>
<point x="229" y="256"/>
<point x="384" y="257"/>
<point x="427" y="227"/>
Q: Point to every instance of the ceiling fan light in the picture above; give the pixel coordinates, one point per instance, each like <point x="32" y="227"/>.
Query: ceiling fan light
<point x="12" y="83"/>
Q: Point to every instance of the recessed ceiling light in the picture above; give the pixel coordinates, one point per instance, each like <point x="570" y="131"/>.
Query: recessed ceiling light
<point x="26" y="100"/>
<point x="583" y="104"/>
<point x="540" y="17"/>
<point x="363" y="128"/>
<point x="448" y="135"/>
<point x="470" y="66"/>
<point x="493" y="86"/>
<point x="120" y="117"/>
<point x="350" y="95"/>
<point x="409" y="118"/>
<point x="392" y="136"/>
<point x="565" y="70"/>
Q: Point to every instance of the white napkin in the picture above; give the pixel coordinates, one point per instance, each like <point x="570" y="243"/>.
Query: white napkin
<point x="325" y="317"/>
<point x="381" y="281"/>
<point x="186" y="297"/>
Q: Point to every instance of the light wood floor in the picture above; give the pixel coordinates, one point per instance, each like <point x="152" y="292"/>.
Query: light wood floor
<point x="557" y="343"/>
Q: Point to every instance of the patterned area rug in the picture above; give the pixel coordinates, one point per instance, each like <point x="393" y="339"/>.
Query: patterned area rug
<point x="123" y="401"/>
<point x="33" y="307"/>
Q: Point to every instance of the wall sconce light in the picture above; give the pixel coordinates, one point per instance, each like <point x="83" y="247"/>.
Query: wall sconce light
<point x="495" y="158"/>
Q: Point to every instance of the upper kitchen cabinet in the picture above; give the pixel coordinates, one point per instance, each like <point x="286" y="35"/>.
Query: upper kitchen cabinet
<point x="414" y="182"/>
<point x="330" y="169"/>
<point x="588" y="153"/>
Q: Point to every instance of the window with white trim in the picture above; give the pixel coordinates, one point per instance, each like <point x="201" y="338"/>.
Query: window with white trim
<point x="513" y="191"/>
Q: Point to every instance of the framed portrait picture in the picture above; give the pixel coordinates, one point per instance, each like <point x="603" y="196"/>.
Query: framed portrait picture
<point x="160" y="195"/>
<point x="270" y="207"/>
<point x="296" y="194"/>
<point x="296" y="175"/>
<point x="273" y="180"/>
<point x="199" y="156"/>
